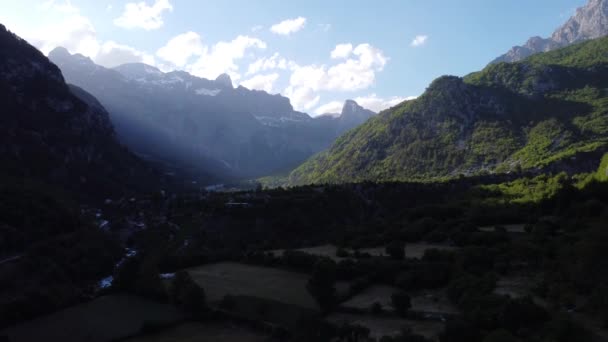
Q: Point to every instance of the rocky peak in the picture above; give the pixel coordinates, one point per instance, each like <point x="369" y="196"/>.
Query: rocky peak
<point x="589" y="22"/>
<point x="224" y="80"/>
<point x="353" y="115"/>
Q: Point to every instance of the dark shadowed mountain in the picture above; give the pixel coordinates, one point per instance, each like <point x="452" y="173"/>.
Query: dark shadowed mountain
<point x="179" y="119"/>
<point x="57" y="134"/>
<point x="589" y="22"/>
<point x="547" y="112"/>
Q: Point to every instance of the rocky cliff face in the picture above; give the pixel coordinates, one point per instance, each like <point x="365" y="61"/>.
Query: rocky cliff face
<point x="53" y="133"/>
<point x="589" y="22"/>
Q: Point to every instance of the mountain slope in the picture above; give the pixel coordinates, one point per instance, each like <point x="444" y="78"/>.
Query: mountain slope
<point x="525" y="115"/>
<point x="589" y="22"/>
<point x="49" y="132"/>
<point x="181" y="120"/>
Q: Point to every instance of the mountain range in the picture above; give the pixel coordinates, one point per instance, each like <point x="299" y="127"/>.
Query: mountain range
<point x="183" y="122"/>
<point x="589" y="22"/>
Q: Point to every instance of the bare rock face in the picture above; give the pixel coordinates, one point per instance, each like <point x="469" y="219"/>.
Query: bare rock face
<point x="589" y="22"/>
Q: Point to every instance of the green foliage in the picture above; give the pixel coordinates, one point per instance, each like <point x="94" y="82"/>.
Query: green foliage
<point x="602" y="172"/>
<point x="509" y="117"/>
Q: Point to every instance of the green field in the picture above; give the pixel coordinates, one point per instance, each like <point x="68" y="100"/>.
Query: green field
<point x="431" y="301"/>
<point x="209" y="331"/>
<point x="375" y="294"/>
<point x="510" y="228"/>
<point x="412" y="250"/>
<point x="106" y="318"/>
<point x="234" y="279"/>
<point x="219" y="280"/>
<point x="387" y="326"/>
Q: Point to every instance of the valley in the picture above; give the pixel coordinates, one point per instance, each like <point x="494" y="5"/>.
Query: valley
<point x="157" y="199"/>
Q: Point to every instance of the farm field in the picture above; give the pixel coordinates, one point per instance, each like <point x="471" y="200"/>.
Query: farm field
<point x="194" y="332"/>
<point x="431" y="301"/>
<point x="412" y="250"/>
<point x="375" y="294"/>
<point x="221" y="279"/>
<point x="510" y="228"/>
<point x="388" y="326"/>
<point x="103" y="319"/>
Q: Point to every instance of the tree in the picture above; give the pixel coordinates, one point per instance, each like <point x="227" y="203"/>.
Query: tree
<point x="186" y="294"/>
<point x="321" y="284"/>
<point x="396" y="250"/>
<point x="401" y="302"/>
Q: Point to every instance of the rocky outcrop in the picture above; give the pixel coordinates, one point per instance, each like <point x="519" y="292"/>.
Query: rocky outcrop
<point x="589" y="22"/>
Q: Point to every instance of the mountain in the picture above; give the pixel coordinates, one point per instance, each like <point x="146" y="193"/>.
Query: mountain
<point x="589" y="22"/>
<point x="184" y="121"/>
<point x="536" y="114"/>
<point x="352" y="115"/>
<point x="57" y="134"/>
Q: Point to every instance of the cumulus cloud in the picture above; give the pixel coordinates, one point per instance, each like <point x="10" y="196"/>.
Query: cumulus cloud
<point x="261" y="82"/>
<point x="334" y="107"/>
<point x="270" y="63"/>
<point x="208" y="61"/>
<point x="70" y="29"/>
<point x="353" y="74"/>
<point x="378" y="104"/>
<point x="181" y="48"/>
<point x="67" y="27"/>
<point x="113" y="54"/>
<point x="289" y="26"/>
<point x="302" y="98"/>
<point x="141" y="15"/>
<point x="356" y="72"/>
<point x="342" y="51"/>
<point x="419" y="40"/>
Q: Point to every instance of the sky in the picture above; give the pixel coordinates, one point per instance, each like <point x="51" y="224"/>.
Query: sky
<point x="318" y="53"/>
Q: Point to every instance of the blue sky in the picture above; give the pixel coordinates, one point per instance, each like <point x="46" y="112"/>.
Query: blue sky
<point x="318" y="53"/>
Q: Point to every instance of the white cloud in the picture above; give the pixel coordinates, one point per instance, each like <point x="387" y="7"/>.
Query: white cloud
<point x="289" y="26"/>
<point x="270" y="63"/>
<point x="113" y="54"/>
<point x="109" y="8"/>
<point x="378" y="104"/>
<point x="419" y="40"/>
<point x="65" y="26"/>
<point x="257" y="28"/>
<point x="261" y="82"/>
<point x="302" y="98"/>
<point x="334" y="107"/>
<point x="222" y="57"/>
<point x="141" y="15"/>
<point x="353" y="74"/>
<point x="69" y="29"/>
<point x="342" y="51"/>
<point x="180" y="49"/>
